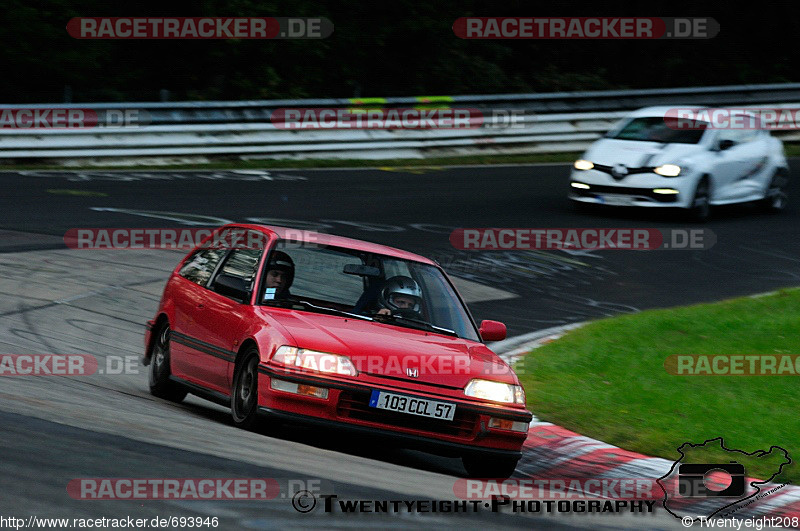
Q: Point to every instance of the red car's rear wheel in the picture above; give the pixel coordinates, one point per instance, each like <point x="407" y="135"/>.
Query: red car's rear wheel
<point x="244" y="394"/>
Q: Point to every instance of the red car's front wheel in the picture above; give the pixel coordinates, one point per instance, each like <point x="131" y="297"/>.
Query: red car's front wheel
<point x="479" y="466"/>
<point x="160" y="384"/>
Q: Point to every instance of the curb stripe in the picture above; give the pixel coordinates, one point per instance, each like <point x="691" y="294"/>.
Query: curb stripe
<point x="366" y="101"/>
<point x="551" y="451"/>
<point x="790" y="511"/>
<point x="434" y="99"/>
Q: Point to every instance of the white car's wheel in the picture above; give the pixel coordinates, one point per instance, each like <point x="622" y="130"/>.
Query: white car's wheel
<point x="776" y="198"/>
<point x="700" y="209"/>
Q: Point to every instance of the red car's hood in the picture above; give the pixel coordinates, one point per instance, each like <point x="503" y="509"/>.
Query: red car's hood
<point x="389" y="350"/>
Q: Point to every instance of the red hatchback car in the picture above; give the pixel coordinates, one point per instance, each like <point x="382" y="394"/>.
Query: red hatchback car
<point x="335" y="332"/>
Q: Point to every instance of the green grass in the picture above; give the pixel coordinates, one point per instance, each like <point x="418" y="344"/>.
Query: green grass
<point x="792" y="150"/>
<point x="607" y="380"/>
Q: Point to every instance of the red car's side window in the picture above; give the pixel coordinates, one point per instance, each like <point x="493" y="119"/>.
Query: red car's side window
<point x="242" y="263"/>
<point x="201" y="265"/>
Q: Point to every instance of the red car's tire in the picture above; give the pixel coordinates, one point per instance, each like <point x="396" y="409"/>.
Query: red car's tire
<point x="478" y="466"/>
<point x="244" y="391"/>
<point x="160" y="384"/>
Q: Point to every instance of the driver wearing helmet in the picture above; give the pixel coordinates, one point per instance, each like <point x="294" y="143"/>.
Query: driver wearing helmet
<point x="280" y="274"/>
<point x="401" y="296"/>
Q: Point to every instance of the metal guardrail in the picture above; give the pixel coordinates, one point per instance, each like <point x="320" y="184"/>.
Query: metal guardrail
<point x="556" y="122"/>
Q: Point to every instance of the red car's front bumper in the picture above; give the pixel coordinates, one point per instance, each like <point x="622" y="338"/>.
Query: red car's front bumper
<point x="347" y="407"/>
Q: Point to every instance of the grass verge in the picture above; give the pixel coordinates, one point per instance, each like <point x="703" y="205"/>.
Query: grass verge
<point x="607" y="380"/>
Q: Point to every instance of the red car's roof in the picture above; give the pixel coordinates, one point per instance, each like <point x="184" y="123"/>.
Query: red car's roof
<point x="335" y="241"/>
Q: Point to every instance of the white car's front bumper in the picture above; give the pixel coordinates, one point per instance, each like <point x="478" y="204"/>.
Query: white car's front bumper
<point x="640" y="189"/>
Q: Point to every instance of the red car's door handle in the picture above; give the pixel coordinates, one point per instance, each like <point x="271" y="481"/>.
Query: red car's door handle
<point x="200" y="306"/>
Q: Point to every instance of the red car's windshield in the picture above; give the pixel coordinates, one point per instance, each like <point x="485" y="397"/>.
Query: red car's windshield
<point x="320" y="278"/>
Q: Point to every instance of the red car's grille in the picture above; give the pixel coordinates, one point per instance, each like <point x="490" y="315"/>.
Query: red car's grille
<point x="355" y="405"/>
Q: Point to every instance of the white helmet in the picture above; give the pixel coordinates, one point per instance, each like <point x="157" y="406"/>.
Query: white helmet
<point x="401" y="287"/>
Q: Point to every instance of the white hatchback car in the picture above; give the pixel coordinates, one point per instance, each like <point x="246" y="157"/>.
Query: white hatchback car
<point x="646" y="161"/>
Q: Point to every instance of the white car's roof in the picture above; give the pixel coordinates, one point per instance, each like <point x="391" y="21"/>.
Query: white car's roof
<point x="659" y="111"/>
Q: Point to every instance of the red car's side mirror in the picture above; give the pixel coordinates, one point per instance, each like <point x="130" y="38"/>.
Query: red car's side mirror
<point x="492" y="330"/>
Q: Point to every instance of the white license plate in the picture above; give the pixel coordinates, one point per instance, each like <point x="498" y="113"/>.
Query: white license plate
<point x="616" y="200"/>
<point x="412" y="405"/>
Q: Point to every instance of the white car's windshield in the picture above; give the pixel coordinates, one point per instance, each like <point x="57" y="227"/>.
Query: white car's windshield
<point x="656" y="129"/>
<point x="361" y="283"/>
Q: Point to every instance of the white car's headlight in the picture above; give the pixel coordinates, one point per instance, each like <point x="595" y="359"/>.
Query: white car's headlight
<point x="495" y="391"/>
<point x="315" y="361"/>
<point x="581" y="164"/>
<point x="668" y="170"/>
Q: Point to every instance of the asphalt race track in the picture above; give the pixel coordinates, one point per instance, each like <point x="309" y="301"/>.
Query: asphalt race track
<point x="754" y="252"/>
<point x="57" y="300"/>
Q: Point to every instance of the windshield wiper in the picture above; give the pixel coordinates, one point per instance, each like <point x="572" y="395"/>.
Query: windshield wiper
<point x="289" y="303"/>
<point x="426" y="324"/>
<point x="336" y="311"/>
<point x="280" y="303"/>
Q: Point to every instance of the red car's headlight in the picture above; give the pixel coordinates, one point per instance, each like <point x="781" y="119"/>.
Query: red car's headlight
<point x="315" y="361"/>
<point x="495" y="391"/>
